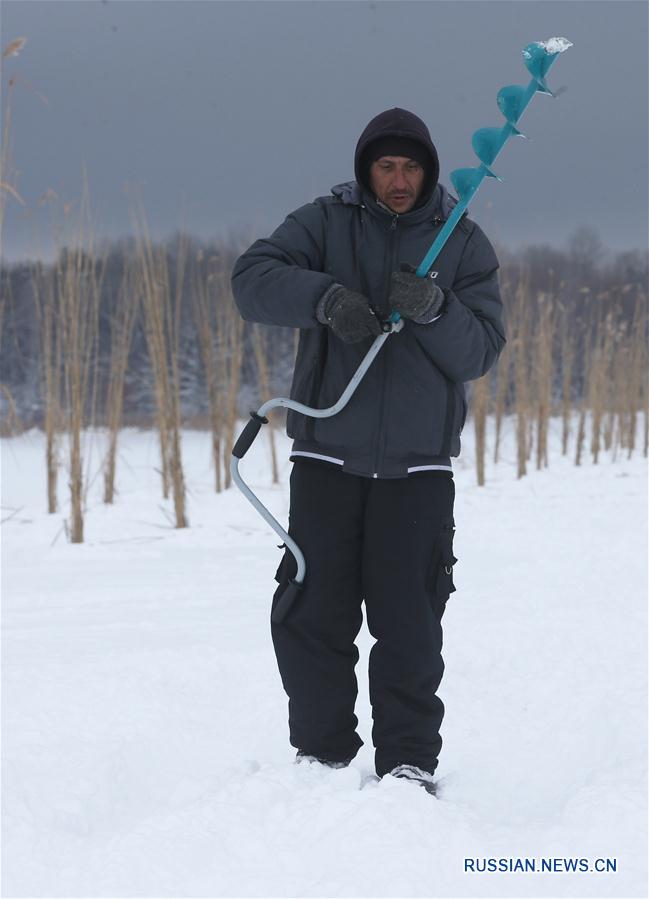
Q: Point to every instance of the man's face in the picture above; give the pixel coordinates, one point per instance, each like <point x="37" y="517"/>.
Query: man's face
<point x="397" y="182"/>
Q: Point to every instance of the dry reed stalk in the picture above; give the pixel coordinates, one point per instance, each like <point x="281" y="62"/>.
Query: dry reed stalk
<point x="154" y="284"/>
<point x="543" y="376"/>
<point x="581" y="431"/>
<point x="5" y="296"/>
<point x="230" y="327"/>
<point x="530" y="430"/>
<point x="480" y="411"/>
<point x="611" y="344"/>
<point x="174" y="317"/>
<point x="122" y="325"/>
<point x="162" y="308"/>
<point x="50" y="332"/>
<point x="637" y="371"/>
<point x="260" y="348"/>
<point x="8" y="176"/>
<point x="12" y="424"/>
<point x="203" y="308"/>
<point x="521" y="438"/>
<point x="78" y="291"/>
<point x="8" y="173"/>
<point x="500" y="400"/>
<point x="567" y="363"/>
<point x="646" y="420"/>
<point x="614" y="429"/>
<point x="503" y="375"/>
<point x="14" y="47"/>
<point x="222" y="379"/>
<point x="521" y="353"/>
<point x="599" y="382"/>
<point x="583" y="403"/>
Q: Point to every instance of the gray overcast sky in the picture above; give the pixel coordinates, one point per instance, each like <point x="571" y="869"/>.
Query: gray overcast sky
<point x="231" y="114"/>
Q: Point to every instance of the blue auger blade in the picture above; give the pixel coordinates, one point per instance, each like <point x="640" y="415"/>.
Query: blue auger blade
<point x="488" y="142"/>
<point x="466" y="182"/>
<point x="511" y="102"/>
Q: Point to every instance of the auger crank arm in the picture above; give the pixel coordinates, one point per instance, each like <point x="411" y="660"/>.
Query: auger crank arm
<point x="245" y="441"/>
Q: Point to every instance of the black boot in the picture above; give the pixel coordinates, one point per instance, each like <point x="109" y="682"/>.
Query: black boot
<point x="305" y="757"/>
<point x="416" y="775"/>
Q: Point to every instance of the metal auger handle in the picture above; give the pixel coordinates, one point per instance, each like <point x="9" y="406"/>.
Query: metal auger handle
<point x="250" y="432"/>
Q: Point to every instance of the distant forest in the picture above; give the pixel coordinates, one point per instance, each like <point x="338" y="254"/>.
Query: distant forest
<point x="584" y="284"/>
<point x="147" y="334"/>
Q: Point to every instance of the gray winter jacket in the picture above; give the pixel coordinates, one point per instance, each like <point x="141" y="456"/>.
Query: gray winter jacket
<point x="410" y="408"/>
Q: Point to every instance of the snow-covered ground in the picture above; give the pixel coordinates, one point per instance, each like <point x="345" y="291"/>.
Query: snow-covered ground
<point x="144" y="723"/>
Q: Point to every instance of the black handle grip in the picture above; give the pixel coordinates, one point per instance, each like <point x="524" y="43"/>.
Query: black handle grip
<point x="284" y="603"/>
<point x="248" y="434"/>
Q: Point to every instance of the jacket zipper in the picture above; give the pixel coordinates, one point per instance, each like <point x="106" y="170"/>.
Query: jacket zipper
<point x="378" y="446"/>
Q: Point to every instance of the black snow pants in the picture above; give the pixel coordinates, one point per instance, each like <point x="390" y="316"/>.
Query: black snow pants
<point x="389" y="543"/>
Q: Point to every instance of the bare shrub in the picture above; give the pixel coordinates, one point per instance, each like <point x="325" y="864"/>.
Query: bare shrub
<point x="543" y="372"/>
<point x="161" y="303"/>
<point x="79" y="281"/>
<point x="481" y="389"/>
<point x="583" y="406"/>
<point x="204" y="304"/>
<point x="567" y="362"/>
<point x="51" y="332"/>
<point x="122" y="324"/>
<point x="260" y="337"/>
<point x="8" y="172"/>
<point x="637" y="375"/>
<point x="520" y="328"/>
<point x="11" y="423"/>
<point x="500" y="400"/>
<point x="231" y="331"/>
<point x="599" y="384"/>
<point x="8" y="188"/>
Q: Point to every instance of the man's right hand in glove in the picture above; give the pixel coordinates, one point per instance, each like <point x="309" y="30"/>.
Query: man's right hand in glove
<point x="348" y="314"/>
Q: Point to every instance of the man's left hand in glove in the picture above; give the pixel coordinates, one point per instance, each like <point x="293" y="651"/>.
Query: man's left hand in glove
<point x="418" y="299"/>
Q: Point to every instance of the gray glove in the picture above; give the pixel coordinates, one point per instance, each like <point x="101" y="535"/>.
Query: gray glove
<point x="418" y="299"/>
<point x="348" y="314"/>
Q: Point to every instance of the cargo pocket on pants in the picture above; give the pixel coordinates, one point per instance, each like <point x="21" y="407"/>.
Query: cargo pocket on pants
<point x="440" y="576"/>
<point x="280" y="574"/>
<point x="286" y="571"/>
<point x="287" y="567"/>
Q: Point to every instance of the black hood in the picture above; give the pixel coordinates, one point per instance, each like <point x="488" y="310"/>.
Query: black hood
<point x="397" y="123"/>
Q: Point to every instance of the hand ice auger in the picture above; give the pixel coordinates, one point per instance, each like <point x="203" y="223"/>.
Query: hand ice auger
<point x="487" y="144"/>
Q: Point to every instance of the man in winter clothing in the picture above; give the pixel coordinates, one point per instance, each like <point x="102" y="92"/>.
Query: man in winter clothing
<point x="372" y="489"/>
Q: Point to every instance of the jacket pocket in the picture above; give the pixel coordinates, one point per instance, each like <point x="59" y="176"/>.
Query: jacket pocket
<point x="440" y="574"/>
<point x="311" y="357"/>
<point x="280" y="574"/>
